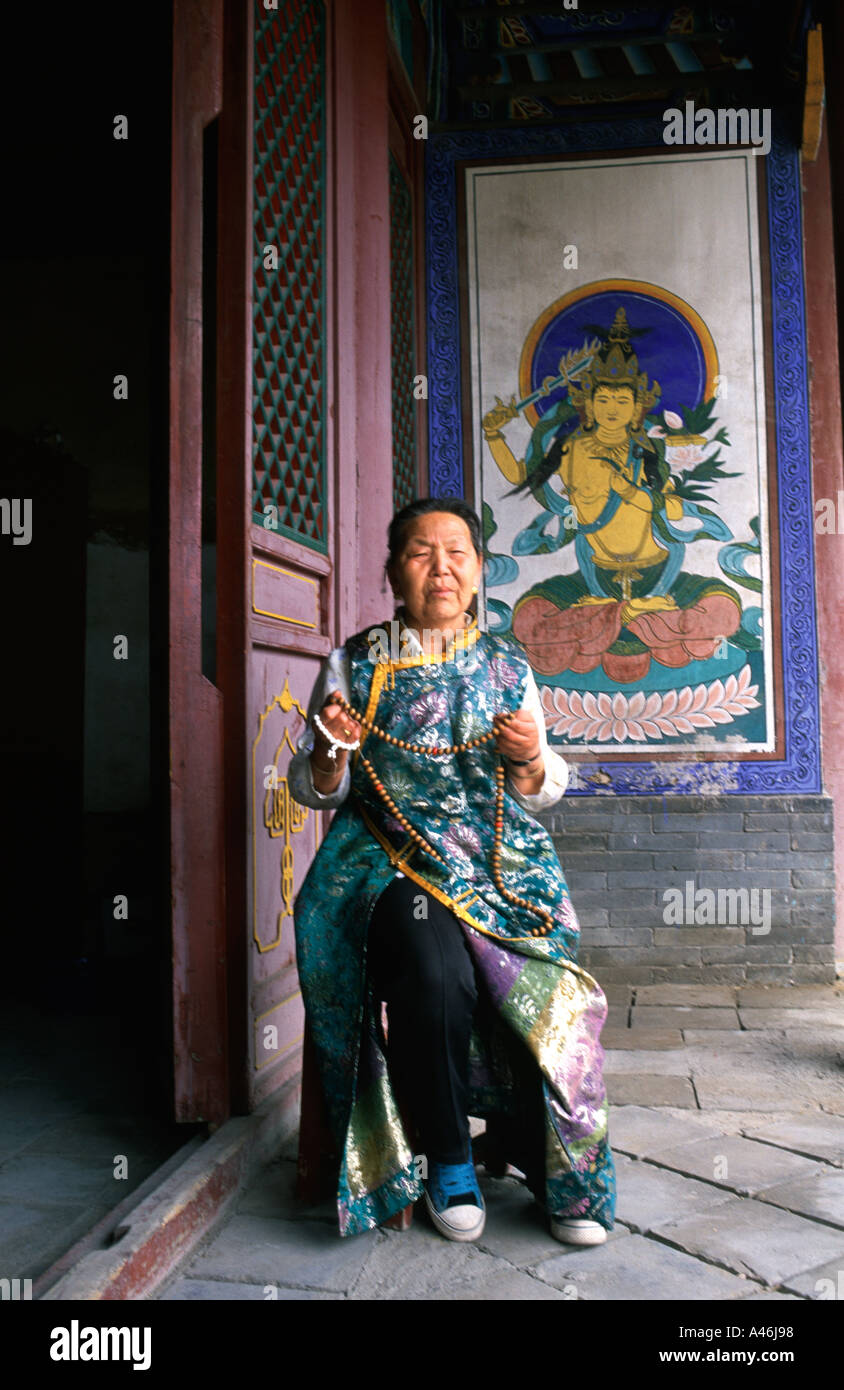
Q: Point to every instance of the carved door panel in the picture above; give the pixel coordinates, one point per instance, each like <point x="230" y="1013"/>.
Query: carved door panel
<point x="290" y="539"/>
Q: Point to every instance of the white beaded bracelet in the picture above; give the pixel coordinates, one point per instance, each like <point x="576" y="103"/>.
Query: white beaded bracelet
<point x="335" y="742"/>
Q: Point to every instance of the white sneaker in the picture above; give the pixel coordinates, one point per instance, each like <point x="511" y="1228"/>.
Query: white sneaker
<point x="464" y="1221"/>
<point x="577" y="1231"/>
<point x="458" y="1223"/>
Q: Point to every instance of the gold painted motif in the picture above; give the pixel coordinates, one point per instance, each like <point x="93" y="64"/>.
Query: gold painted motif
<point x="283" y="617"/>
<point x="282" y="818"/>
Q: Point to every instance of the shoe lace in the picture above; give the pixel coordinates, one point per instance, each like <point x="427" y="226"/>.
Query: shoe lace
<point x="453" y="1184"/>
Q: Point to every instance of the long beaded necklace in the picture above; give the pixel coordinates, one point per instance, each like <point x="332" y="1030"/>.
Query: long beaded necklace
<point x="442" y="751"/>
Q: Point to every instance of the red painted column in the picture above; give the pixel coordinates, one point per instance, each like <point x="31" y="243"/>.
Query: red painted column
<point x="358" y="177"/>
<point x="827" y="481"/>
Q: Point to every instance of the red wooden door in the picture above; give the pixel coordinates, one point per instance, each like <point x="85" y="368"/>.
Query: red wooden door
<point x="316" y="467"/>
<point x="280" y="343"/>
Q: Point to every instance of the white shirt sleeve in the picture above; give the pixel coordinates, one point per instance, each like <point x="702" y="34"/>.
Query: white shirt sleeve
<point x="556" y="768"/>
<point x="333" y="675"/>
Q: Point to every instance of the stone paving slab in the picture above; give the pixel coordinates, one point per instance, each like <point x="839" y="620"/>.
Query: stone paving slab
<point x="645" y="1089"/>
<point x="53" y="1177"/>
<point x="825" y="1282"/>
<point x="516" y="1228"/>
<point x="744" y="1092"/>
<point x="663" y="1016"/>
<point x="817" y="1136"/>
<point x="767" y="1079"/>
<point x="32" y="1236"/>
<point x="502" y="1285"/>
<point x="273" y="1193"/>
<point x="642" y="1039"/>
<point x="21" y="1100"/>
<point x="17" y="1131"/>
<point x="268" y="1250"/>
<point x="224" y="1290"/>
<point x="737" y="1164"/>
<point x="649" y="1196"/>
<point x="732" y="1040"/>
<point x="616" y="1017"/>
<point x="730" y="1122"/>
<point x="754" y="1238"/>
<point x="695" y="995"/>
<point x="633" y="1129"/>
<point x="790" y="1018"/>
<point x="789" y="996"/>
<point x="97" y="1138"/>
<point x="772" y="1296"/>
<point x="639" y="1269"/>
<point x="665" y="1063"/>
<point x="619" y="995"/>
<point x="819" y="1195"/>
<point x="420" y="1264"/>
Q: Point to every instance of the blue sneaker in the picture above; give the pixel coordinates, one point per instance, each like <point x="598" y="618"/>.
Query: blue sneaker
<point x="454" y="1200"/>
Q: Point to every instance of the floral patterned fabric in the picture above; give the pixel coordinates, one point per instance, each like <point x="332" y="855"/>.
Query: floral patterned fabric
<point x="542" y="1015"/>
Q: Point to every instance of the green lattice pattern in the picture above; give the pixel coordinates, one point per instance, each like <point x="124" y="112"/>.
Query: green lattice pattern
<point x="287" y="350"/>
<point x="402" y="354"/>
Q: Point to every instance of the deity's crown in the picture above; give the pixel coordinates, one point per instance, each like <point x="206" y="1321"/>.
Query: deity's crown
<point x="616" y="364"/>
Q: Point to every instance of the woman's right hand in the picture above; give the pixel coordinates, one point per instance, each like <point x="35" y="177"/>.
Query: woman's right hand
<point x="338" y="723"/>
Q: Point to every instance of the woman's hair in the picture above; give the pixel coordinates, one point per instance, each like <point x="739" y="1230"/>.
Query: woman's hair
<point x="421" y="507"/>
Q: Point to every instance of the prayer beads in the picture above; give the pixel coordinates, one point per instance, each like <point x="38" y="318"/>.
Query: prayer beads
<point x="417" y="838"/>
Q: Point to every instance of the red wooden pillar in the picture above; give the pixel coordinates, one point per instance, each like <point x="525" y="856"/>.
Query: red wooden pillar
<point x="196" y="714"/>
<point x="827" y="481"/>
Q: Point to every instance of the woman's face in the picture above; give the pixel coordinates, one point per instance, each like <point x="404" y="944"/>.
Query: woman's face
<point x="613" y="406"/>
<point x="436" y="570"/>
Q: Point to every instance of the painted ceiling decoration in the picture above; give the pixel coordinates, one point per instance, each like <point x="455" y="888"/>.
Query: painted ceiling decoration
<point x="494" y="63"/>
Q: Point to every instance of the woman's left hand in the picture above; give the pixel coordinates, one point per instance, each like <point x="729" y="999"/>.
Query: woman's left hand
<point x="517" y="738"/>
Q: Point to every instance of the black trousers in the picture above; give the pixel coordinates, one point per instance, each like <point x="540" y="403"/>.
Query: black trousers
<point x="419" y="963"/>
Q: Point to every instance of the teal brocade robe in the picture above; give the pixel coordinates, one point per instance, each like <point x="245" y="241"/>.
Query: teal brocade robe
<point x="542" y="1013"/>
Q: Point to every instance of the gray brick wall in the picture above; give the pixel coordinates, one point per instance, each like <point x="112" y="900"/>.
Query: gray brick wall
<point x="761" y="866"/>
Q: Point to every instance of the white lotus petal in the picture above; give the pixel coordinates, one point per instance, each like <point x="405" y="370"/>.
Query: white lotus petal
<point x="590" y="705"/>
<point x="699" y="698"/>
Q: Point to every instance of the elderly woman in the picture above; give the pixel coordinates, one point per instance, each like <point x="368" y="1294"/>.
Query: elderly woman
<point x="437" y="892"/>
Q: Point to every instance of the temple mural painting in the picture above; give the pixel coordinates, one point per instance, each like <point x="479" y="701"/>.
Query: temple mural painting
<point x="619" y="436"/>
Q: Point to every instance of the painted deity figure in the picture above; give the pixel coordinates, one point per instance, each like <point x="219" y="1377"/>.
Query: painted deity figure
<point x="628" y="602"/>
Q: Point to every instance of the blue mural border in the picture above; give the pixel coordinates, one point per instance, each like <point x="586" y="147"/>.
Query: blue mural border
<point x="799" y="770"/>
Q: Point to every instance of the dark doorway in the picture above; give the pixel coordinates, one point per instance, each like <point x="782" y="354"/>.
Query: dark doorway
<point x="85" y="1048"/>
